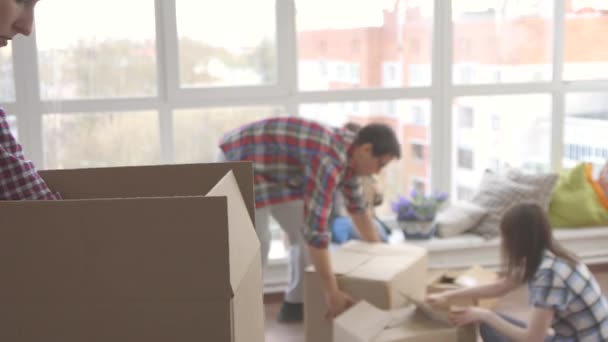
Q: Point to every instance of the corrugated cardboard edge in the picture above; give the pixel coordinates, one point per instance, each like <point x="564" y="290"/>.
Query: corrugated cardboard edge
<point x="245" y="264"/>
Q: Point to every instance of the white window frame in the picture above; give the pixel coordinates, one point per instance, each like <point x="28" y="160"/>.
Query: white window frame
<point x="30" y="109"/>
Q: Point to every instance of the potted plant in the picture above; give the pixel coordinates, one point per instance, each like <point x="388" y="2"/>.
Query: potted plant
<point x="415" y="214"/>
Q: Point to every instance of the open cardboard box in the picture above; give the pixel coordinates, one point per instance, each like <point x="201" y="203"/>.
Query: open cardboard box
<point x="155" y="253"/>
<point x="366" y="323"/>
<point x="444" y="280"/>
<point x="384" y="275"/>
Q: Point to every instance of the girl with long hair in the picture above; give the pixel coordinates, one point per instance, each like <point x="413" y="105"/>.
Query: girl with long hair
<point x="562" y="291"/>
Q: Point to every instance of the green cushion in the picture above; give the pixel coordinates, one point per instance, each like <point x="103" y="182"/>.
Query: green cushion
<point x="575" y="202"/>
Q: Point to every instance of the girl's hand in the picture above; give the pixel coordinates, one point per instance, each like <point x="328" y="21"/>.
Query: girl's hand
<point x="468" y="315"/>
<point x="437" y="299"/>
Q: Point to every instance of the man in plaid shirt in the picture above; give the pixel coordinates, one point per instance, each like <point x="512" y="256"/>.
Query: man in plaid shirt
<point x="19" y="178"/>
<point x="298" y="166"/>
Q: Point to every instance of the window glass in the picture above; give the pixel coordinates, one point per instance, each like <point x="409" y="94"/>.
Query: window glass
<point x="107" y="50"/>
<point x="372" y="44"/>
<point x="227" y="43"/>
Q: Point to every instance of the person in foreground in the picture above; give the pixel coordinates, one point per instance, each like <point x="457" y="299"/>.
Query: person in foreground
<point x="298" y="166"/>
<point x="565" y="296"/>
<point x="19" y="179"/>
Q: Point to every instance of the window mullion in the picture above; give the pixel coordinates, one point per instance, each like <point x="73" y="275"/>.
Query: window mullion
<point x="27" y="92"/>
<point x="559" y="106"/>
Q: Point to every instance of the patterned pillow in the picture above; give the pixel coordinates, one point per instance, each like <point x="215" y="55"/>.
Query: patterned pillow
<point x="497" y="194"/>
<point x="543" y="183"/>
<point x="458" y="218"/>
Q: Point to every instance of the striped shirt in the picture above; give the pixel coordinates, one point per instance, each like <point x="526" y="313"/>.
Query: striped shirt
<point x="580" y="308"/>
<point x="295" y="158"/>
<point x="19" y="179"/>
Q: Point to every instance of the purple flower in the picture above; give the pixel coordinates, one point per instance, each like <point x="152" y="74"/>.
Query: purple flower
<point x="419" y="207"/>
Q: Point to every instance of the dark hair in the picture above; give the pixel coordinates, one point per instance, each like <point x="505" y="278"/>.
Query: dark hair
<point x="383" y="140"/>
<point x="526" y="233"/>
<point x="352" y="127"/>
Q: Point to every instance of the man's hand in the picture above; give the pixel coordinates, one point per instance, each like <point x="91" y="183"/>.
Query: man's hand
<point x="337" y="303"/>
<point x="469" y="315"/>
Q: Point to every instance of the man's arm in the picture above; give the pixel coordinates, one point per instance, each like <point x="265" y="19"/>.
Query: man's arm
<point x="365" y="226"/>
<point x="337" y="301"/>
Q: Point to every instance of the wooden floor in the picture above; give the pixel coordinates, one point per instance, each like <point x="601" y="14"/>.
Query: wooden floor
<point x="514" y="304"/>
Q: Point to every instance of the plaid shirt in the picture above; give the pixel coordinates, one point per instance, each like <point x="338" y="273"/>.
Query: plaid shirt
<point x="19" y="179"/>
<point x="581" y="311"/>
<point x="293" y="159"/>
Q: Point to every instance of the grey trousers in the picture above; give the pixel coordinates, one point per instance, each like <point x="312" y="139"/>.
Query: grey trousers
<point x="290" y="216"/>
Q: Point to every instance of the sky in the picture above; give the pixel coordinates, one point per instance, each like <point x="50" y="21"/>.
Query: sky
<point x="228" y="23"/>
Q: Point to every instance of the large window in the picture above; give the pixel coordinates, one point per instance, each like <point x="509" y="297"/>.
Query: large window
<point x="364" y="44"/>
<point x="99" y="53"/>
<point x="466" y="85"/>
<point x="502" y="41"/>
<point x="586" y="128"/>
<point x="226" y="43"/>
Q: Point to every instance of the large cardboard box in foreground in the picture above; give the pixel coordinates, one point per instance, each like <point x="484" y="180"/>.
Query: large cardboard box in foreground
<point x="366" y="323"/>
<point x="384" y="275"/>
<point x="134" y="254"/>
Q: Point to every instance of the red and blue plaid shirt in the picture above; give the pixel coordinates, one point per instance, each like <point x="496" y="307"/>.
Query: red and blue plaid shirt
<point x="293" y="159"/>
<point x="19" y="179"/>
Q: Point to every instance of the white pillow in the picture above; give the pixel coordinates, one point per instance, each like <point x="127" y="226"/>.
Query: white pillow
<point x="458" y="218"/>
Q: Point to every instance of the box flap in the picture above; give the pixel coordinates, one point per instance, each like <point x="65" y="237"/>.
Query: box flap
<point x="382" y="268"/>
<point x="476" y="276"/>
<point x="122" y="249"/>
<point x="244" y="245"/>
<point x="361" y="323"/>
<point x="344" y="262"/>
<point x="384" y="249"/>
<point x="150" y="181"/>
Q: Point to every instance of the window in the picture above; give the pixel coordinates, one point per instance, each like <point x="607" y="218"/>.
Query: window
<point x="362" y="29"/>
<point x="418" y="151"/>
<point x="465" y="117"/>
<point x="464" y="193"/>
<point x="493" y="39"/>
<point x="96" y="60"/>
<point x="243" y="54"/>
<point x="465" y="159"/>
<point x="419" y="186"/>
<point x="586" y="124"/>
<point x="101" y="139"/>
<point x="170" y="83"/>
<point x="521" y="139"/>
<point x="585" y="49"/>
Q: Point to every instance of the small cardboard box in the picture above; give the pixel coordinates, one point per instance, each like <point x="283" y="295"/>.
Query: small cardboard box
<point x="366" y="323"/>
<point x="134" y="254"/>
<point x="440" y="281"/>
<point x="384" y="275"/>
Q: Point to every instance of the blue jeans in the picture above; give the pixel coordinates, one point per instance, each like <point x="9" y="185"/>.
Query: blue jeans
<point x="343" y="229"/>
<point x="489" y="334"/>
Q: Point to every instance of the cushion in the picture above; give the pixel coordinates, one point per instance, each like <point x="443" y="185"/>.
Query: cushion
<point x="543" y="183"/>
<point x="497" y="194"/>
<point x="603" y="180"/>
<point x="458" y="218"/>
<point x="578" y="200"/>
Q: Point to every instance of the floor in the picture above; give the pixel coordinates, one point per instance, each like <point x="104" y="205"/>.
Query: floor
<point x="514" y="304"/>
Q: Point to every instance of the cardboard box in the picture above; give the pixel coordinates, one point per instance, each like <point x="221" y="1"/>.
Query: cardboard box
<point x="384" y="275"/>
<point x="134" y="254"/>
<point x="366" y="323"/>
<point x="440" y="281"/>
